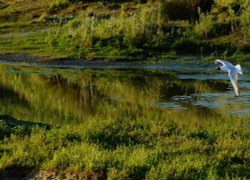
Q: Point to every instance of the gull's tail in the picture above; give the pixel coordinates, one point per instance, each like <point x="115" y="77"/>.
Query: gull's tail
<point x="238" y="69"/>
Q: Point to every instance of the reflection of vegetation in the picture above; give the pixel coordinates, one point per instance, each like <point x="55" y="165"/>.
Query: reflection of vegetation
<point x="68" y="95"/>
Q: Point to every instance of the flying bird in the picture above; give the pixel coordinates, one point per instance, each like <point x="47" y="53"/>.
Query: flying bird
<point x="233" y="72"/>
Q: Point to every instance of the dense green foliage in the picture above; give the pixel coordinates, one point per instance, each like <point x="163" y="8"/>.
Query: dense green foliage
<point x="215" y="27"/>
<point x="131" y="148"/>
<point x="122" y="32"/>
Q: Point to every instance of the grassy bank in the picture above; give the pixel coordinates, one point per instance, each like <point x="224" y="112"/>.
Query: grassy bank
<point x="125" y="148"/>
<point x="122" y="29"/>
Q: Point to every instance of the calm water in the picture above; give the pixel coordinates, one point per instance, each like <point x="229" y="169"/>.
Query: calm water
<point x="189" y="91"/>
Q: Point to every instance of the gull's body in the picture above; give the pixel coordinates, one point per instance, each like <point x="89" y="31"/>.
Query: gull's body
<point x="233" y="72"/>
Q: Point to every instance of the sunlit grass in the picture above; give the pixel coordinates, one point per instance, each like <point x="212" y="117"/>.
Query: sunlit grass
<point x="121" y="30"/>
<point x="132" y="148"/>
<point x="84" y="33"/>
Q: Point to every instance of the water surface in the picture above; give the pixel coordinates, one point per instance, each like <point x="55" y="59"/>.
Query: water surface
<point x="187" y="90"/>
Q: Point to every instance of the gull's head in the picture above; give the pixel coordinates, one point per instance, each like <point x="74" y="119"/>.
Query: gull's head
<point x="217" y="61"/>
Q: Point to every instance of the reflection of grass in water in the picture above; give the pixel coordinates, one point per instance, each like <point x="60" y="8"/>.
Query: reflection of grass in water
<point x="133" y="148"/>
<point x="170" y="105"/>
<point x="77" y="94"/>
<point x="69" y="96"/>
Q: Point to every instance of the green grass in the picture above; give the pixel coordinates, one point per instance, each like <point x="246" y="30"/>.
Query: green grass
<point x="135" y="148"/>
<point x="34" y="43"/>
<point x="125" y="29"/>
<point x="121" y="33"/>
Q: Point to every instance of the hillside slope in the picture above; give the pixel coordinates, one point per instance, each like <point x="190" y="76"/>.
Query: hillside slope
<point x="122" y="29"/>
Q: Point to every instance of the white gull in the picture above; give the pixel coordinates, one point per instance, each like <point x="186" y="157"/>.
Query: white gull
<point x="233" y="72"/>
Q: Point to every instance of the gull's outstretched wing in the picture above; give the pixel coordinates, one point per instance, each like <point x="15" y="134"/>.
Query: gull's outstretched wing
<point x="233" y="76"/>
<point x="223" y="63"/>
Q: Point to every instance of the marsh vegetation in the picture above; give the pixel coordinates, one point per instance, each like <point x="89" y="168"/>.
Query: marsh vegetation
<point x="68" y="110"/>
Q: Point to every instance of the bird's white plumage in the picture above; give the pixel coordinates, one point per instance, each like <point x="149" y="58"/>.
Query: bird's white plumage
<point x="233" y="72"/>
<point x="233" y="76"/>
<point x="238" y="68"/>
